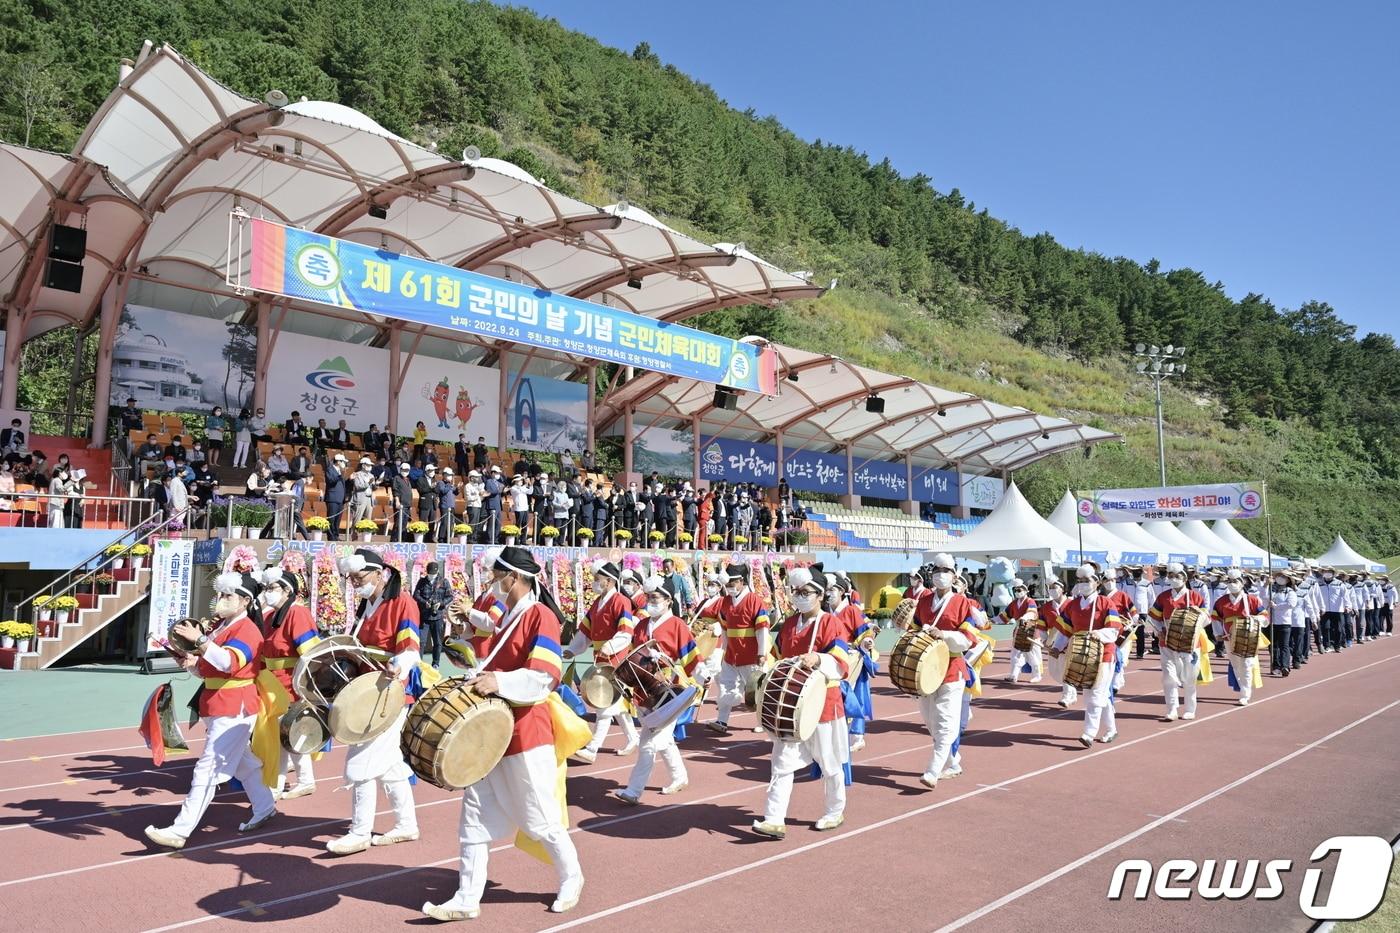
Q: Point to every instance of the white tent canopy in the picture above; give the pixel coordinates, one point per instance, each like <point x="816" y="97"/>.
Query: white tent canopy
<point x="1251" y="553"/>
<point x="1100" y="538"/>
<point x="1144" y="542"/>
<point x="1341" y="555"/>
<point x="1219" y="553"/>
<point x="1180" y="547"/>
<point x="1014" y="530"/>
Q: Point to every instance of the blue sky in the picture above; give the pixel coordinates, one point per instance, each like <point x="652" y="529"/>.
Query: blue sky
<point x="1255" y="142"/>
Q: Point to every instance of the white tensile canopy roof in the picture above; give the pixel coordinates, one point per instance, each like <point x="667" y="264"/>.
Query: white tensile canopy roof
<point x="1100" y="538"/>
<point x="1341" y="556"/>
<point x="821" y="405"/>
<point x="1014" y="530"/>
<point x="1180" y="547"/>
<point x="1219" y="553"/>
<point x="1252" y="553"/>
<point x="1133" y="533"/>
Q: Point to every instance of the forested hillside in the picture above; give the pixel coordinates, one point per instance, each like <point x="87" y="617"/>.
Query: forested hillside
<point x="933" y="285"/>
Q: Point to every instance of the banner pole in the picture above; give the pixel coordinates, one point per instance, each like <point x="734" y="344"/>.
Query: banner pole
<point x="1269" y="557"/>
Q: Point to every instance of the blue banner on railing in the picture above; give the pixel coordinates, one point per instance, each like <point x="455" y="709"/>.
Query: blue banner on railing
<point x="881" y="480"/>
<point x="813" y="471"/>
<point x="937" y="486"/>
<point x="723" y="458"/>
<point x="301" y="264"/>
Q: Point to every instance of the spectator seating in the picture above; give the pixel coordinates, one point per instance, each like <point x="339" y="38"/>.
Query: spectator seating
<point x="830" y="526"/>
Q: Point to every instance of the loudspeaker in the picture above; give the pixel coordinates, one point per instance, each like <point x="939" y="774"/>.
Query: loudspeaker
<point x="875" y="405"/>
<point x="67" y="243"/>
<point x="726" y="400"/>
<point x="63" y="276"/>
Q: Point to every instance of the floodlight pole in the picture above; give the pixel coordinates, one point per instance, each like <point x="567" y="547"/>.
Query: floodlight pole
<point x="1159" y="363"/>
<point x="1161" y="439"/>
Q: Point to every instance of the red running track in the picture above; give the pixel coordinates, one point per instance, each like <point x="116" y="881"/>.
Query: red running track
<point x="1026" y="839"/>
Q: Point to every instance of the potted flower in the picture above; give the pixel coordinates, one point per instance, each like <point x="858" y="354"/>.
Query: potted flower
<point x="510" y="532"/>
<point x="139" y="553"/>
<point x="794" y="539"/>
<point x="715" y="541"/>
<point x="7" y="633"/>
<point x="740" y="541"/>
<point x="686" y="539"/>
<point x="656" y="536"/>
<point x="41" y="605"/>
<point x="248" y="519"/>
<point x="104" y="582"/>
<point x="766" y="541"/>
<point x="585" y="535"/>
<point x="365" y="527"/>
<point x="549" y="533"/>
<point x="622" y="536"/>
<point x="116" y="555"/>
<point x="418" y="530"/>
<point x="62" y="607"/>
<point x="23" y="632"/>
<point x="462" y="530"/>
<point x="318" y="525"/>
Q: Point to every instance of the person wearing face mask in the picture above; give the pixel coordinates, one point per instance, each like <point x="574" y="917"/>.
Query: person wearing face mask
<point x="710" y="601"/>
<point x="401" y="497"/>
<point x="227" y="659"/>
<point x="1211" y="586"/>
<point x="1179" y="668"/>
<point x="1283" y="605"/>
<point x="1087" y="611"/>
<point x="746" y="641"/>
<point x="1144" y="594"/>
<point x="915" y="589"/>
<point x="1387" y="611"/>
<point x="289" y="632"/>
<point x="815" y="637"/>
<point x="477" y="619"/>
<point x="631" y="586"/>
<point x="432" y="594"/>
<point x="673" y="639"/>
<point x="608" y="624"/>
<point x="1305" y="611"/>
<point x="858" y="634"/>
<point x="361" y="484"/>
<point x="524" y="667"/>
<point x="1333" y="596"/>
<point x="1122" y="604"/>
<point x="386" y="623"/>
<point x="955" y="618"/>
<point x="1022" y="605"/>
<point x="1229" y="610"/>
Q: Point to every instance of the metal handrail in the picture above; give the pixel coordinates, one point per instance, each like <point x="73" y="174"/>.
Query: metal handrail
<point x="138" y="535"/>
<point x="130" y="511"/>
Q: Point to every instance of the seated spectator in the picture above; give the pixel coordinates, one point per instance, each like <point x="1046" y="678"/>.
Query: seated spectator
<point x="258" y="481"/>
<point x="277" y="463"/>
<point x="197" y="455"/>
<point x="257" y="426"/>
<point x="12" y="438"/>
<point x="300" y="465"/>
<point x="295" y="430"/>
<point x="149" y="452"/>
<point x="175" y="449"/>
<point x="340" y="437"/>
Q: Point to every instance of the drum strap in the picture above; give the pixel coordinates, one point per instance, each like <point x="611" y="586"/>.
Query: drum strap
<point x="279" y="664"/>
<point x="226" y="683"/>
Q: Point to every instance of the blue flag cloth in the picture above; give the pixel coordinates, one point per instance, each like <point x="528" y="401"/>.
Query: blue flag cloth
<point x="572" y="700"/>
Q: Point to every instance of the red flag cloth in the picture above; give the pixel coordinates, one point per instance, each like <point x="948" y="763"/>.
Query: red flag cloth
<point x="159" y="729"/>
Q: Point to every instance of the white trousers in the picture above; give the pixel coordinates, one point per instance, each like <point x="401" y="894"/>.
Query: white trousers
<point x="1178" y="676"/>
<point x="1021" y="658"/>
<point x="1244" y="669"/>
<point x="656" y="743"/>
<point x="955" y="758"/>
<point x="829" y="747"/>
<point x="603" y="724"/>
<point x="708" y="669"/>
<point x="517" y="794"/>
<point x="240" y="454"/>
<point x="227" y="754"/>
<point x="1098" y="704"/>
<point x="380" y="760"/>
<point x="732" y="678"/>
<point x="305" y="775"/>
<point x="942" y="712"/>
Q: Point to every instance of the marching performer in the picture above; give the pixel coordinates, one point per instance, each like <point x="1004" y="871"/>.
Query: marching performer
<point x="746" y="641"/>
<point x="291" y="632"/>
<point x="1122" y="604"/>
<point x="227" y="659"/>
<point x="631" y="585"/>
<point x="1056" y="624"/>
<point x="672" y="638"/>
<point x="519" y="793"/>
<point x="1228" y="611"/>
<point x="1022" y="605"/>
<point x="1283" y="608"/>
<point x="478" y="618"/>
<point x="1178" y="667"/>
<point x="857" y="633"/>
<point x="608" y="624"/>
<point x="1087" y="611"/>
<point x="955" y="618"/>
<point x="387" y="626"/>
<point x="815" y="637"/>
<point x="916" y="587"/>
<point x="1144" y="595"/>
<point x="709" y="609"/>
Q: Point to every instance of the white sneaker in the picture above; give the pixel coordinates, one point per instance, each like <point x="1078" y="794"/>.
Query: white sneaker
<point x="1036" y="679"/>
<point x="1064" y="704"/>
<point x="257" y="821"/>
<point x="164" y="837"/>
<point x="949" y="773"/>
<point x="348" y="845"/>
<point x="1244" y="701"/>
<point x="1086" y="740"/>
<point x="1108" y="739"/>
<point x="626" y="796"/>
<point x="585" y="755"/>
<point x="830" y="822"/>
<point x="771" y="830"/>
<point x="1188" y="716"/>
<point x="1171" y="715"/>
<point x="858" y="743"/>
<point x="675" y="787"/>
<point x="394" y="836"/>
<point x="929" y="780"/>
<point x="569" y="893"/>
<point x="447" y="914"/>
<point x="627" y="749"/>
<point x="301" y="790"/>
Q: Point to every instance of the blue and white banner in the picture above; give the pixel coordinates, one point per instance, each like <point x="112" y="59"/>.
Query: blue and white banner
<point x="937" y="486"/>
<point x="723" y="458"/>
<point x="813" y="471"/>
<point x="881" y="480"/>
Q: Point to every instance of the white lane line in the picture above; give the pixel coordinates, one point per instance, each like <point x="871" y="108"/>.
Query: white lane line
<point x="576" y="829"/>
<point x="1083" y="860"/>
<point x="889" y="821"/>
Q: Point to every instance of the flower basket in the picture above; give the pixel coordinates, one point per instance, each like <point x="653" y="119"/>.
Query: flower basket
<point x="41" y="606"/>
<point x="63" y="607"/>
<point x="766" y="541"/>
<point x="318" y="525"/>
<point x="22" y="633"/>
<point x="715" y="541"/>
<point x="622" y="536"/>
<point x="585" y="534"/>
<point x="510" y="533"/>
<point x="116" y="554"/>
<point x="656" y="537"/>
<point x="103" y="583"/>
<point x="740" y="541"/>
<point x="7" y="633"/>
<point x="139" y="553"/>
<point x="366" y="528"/>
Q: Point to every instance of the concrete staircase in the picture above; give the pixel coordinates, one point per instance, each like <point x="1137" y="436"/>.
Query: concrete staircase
<point x="94" y="613"/>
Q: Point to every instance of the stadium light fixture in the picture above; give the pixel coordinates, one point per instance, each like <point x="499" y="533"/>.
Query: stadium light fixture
<point x="1158" y="363"/>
